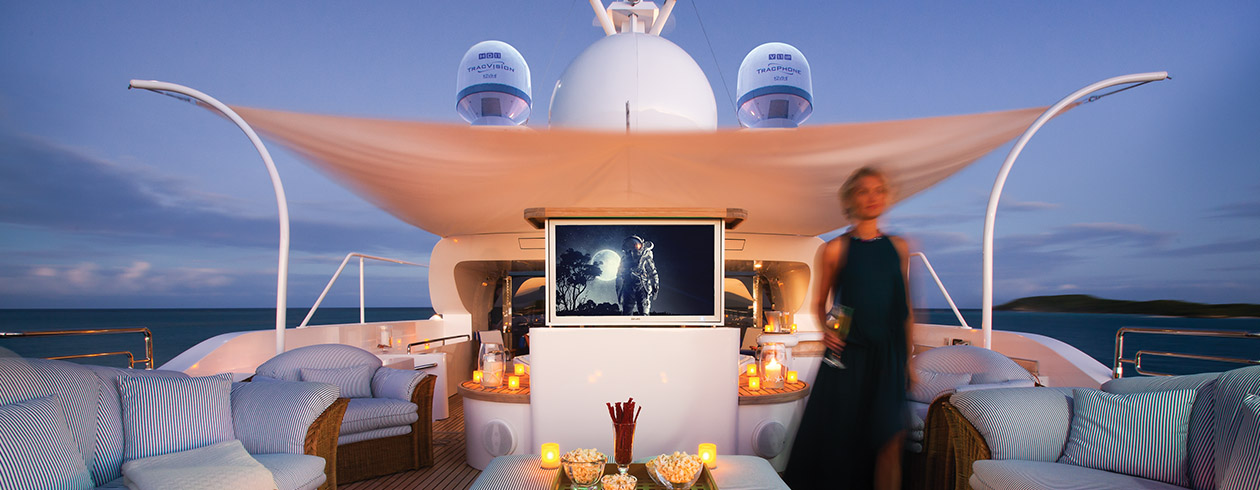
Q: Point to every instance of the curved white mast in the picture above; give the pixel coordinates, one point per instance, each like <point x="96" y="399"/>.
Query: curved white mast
<point x="282" y="273"/>
<point x="990" y="214"/>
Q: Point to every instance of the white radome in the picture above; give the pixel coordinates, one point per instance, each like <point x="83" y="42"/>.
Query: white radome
<point x="665" y="89"/>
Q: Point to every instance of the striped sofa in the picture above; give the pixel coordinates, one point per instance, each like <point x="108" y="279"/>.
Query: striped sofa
<point x="388" y="425"/>
<point x="1194" y="431"/>
<point x="71" y="426"/>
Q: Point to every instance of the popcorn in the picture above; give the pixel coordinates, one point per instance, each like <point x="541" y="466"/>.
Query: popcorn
<point x="677" y="468"/>
<point x="619" y="482"/>
<point x="584" y="456"/>
<point x="584" y="466"/>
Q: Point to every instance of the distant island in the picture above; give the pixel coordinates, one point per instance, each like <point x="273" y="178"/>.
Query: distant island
<point x="1084" y="303"/>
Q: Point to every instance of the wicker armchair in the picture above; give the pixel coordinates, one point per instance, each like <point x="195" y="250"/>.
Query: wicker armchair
<point x="387" y="425"/>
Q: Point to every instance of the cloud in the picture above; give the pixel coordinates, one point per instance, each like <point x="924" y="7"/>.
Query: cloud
<point x="1237" y="210"/>
<point x="91" y="278"/>
<point x="48" y="186"/>
<point x="1025" y="206"/>
<point x="1251" y="245"/>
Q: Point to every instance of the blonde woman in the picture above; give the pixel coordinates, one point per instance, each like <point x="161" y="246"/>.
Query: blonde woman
<point x="852" y="431"/>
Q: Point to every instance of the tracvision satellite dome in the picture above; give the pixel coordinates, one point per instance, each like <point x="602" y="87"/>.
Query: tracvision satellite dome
<point x="774" y="86"/>
<point x="492" y="87"/>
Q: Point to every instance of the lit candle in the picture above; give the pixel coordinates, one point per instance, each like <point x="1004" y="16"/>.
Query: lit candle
<point x="754" y="383"/>
<point x="708" y="454"/>
<point x="752" y="369"/>
<point x="386" y="337"/>
<point x="477" y="376"/>
<point x="550" y="456"/>
<point x="791" y="376"/>
<point x="774" y="370"/>
<point x="518" y="368"/>
<point x="514" y="382"/>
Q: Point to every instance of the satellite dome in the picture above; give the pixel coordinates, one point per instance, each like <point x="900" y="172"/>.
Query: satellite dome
<point x="634" y="81"/>
<point x="492" y="87"/>
<point x="774" y="86"/>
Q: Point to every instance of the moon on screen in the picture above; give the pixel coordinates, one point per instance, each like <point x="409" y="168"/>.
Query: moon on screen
<point x="609" y="263"/>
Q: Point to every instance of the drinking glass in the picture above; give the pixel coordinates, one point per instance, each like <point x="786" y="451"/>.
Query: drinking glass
<point x="838" y="320"/>
<point x="623" y="445"/>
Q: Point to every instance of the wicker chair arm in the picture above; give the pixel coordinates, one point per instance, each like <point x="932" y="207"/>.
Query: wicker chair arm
<point x="422" y="429"/>
<point x="966" y="444"/>
<point x="321" y="439"/>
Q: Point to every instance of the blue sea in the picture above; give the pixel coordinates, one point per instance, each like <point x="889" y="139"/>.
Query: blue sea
<point x="175" y="330"/>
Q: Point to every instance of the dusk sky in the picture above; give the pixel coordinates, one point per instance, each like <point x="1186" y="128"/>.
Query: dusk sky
<point x="111" y="198"/>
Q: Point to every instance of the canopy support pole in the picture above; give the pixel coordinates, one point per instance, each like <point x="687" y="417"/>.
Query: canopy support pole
<point x="282" y="272"/>
<point x="990" y="214"/>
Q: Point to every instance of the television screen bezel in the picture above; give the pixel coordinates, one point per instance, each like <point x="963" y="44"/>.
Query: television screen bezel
<point x="716" y="318"/>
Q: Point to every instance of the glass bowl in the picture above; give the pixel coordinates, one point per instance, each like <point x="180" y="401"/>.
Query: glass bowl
<point x="618" y="482"/>
<point x="657" y="471"/>
<point x="584" y="474"/>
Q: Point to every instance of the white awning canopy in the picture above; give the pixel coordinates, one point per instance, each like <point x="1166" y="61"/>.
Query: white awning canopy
<point x="453" y="179"/>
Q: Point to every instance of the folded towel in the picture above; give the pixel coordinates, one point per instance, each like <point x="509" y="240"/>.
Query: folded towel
<point x="221" y="466"/>
<point x="914" y="435"/>
<point x="914" y="447"/>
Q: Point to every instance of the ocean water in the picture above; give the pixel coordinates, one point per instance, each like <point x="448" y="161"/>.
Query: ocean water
<point x="1095" y="335"/>
<point x="175" y="330"/>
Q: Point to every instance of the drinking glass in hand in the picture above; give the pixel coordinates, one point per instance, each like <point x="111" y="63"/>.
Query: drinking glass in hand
<point x="838" y="320"/>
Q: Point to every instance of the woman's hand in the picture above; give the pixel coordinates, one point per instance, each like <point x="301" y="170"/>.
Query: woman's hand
<point x="832" y="340"/>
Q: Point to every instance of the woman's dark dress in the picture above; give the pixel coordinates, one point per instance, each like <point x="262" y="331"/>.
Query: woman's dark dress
<point x="853" y="412"/>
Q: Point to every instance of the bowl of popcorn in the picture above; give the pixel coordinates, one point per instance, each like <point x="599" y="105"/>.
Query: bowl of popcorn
<point x="618" y="482"/>
<point x="584" y="467"/>
<point x="678" y="471"/>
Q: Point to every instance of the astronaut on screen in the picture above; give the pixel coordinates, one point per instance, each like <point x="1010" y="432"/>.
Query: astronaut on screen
<point x="637" y="281"/>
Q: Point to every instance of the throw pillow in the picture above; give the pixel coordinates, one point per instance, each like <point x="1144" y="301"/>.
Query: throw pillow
<point x="168" y="415"/>
<point x="37" y="449"/>
<point x="354" y="381"/>
<point x="1243" y="472"/>
<point x="931" y="383"/>
<point x="1138" y="434"/>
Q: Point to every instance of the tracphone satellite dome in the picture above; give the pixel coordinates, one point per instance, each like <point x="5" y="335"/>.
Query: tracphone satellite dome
<point x="492" y="87"/>
<point x="774" y="86"/>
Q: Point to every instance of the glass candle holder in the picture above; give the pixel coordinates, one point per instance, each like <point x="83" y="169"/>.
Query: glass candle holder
<point x="549" y="454"/>
<point x="518" y="368"/>
<point x="754" y="383"/>
<point x="791" y="376"/>
<point x="476" y="376"/>
<point x="752" y="369"/>
<point x="708" y="454"/>
<point x="773" y="355"/>
<point x="514" y="382"/>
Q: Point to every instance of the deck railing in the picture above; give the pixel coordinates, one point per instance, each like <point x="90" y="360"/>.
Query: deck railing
<point x="131" y="359"/>
<point x="1117" y="369"/>
<point x="941" y="286"/>
<point x="362" y="316"/>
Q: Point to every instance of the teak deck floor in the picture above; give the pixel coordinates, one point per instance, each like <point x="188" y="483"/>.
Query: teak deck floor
<point x="448" y="471"/>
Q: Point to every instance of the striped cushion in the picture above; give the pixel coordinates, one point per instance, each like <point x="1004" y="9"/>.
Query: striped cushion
<point x="37" y="450"/>
<point x="395" y="383"/>
<point x="927" y="384"/>
<point x="1014" y="383"/>
<point x="1202" y="427"/>
<point x="274" y="417"/>
<point x="109" y="432"/>
<point x="1231" y="389"/>
<point x="354" y="381"/>
<point x="373" y="434"/>
<point x="985" y="365"/>
<point x="1019" y="423"/>
<point x="1040" y="475"/>
<point x="76" y="387"/>
<point x="166" y="415"/>
<point x="365" y="414"/>
<point x="1139" y="434"/>
<point x="1243" y="472"/>
<point x="294" y="471"/>
<point x="288" y="366"/>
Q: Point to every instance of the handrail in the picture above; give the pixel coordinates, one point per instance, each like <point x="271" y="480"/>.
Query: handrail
<point x="282" y="204"/>
<point x="1117" y="369"/>
<point x="941" y="285"/>
<point x="442" y="340"/>
<point x="148" y="341"/>
<point x="362" y="309"/>
<point x="990" y="213"/>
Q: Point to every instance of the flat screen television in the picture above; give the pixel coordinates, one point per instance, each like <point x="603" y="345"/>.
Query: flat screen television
<point x="606" y="272"/>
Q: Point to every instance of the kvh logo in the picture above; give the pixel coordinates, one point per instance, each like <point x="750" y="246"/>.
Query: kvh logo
<point x="780" y="56"/>
<point x="482" y="56"/>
